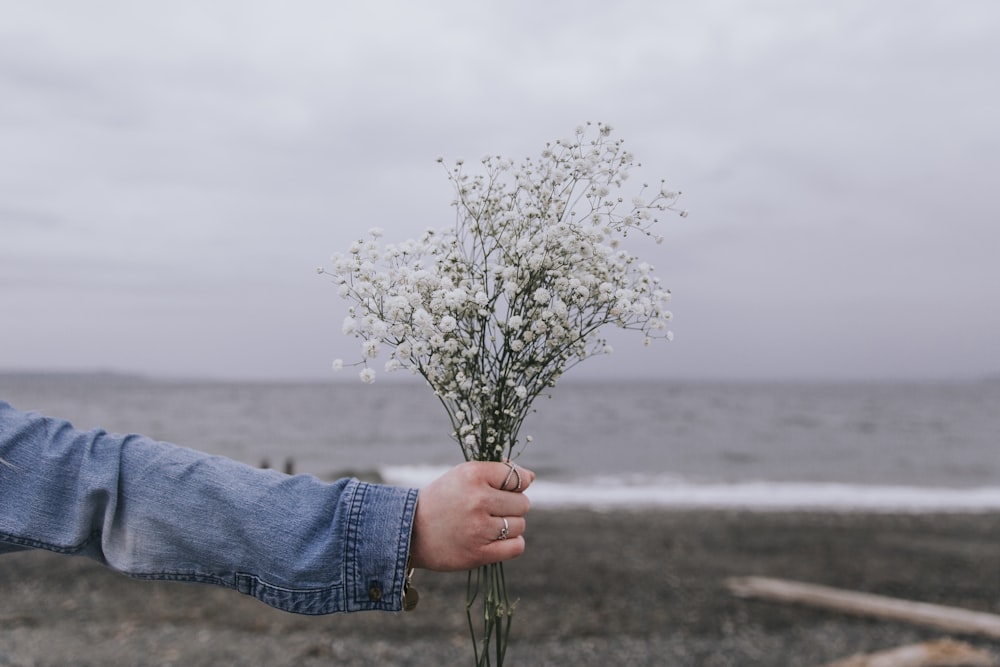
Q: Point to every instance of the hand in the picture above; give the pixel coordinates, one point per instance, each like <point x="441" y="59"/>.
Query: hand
<point x="459" y="517"/>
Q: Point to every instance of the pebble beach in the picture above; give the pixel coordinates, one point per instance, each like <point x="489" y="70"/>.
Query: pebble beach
<point x="638" y="587"/>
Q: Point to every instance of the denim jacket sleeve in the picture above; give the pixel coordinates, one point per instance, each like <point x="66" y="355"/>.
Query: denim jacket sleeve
<point x="153" y="510"/>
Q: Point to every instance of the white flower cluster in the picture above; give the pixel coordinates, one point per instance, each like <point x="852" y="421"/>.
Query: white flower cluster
<point x="493" y="310"/>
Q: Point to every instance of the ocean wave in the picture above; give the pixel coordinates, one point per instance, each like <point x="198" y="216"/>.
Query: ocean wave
<point x="674" y="492"/>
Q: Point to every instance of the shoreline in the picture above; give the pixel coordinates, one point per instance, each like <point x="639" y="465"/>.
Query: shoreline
<point x="636" y="587"/>
<point x="627" y="492"/>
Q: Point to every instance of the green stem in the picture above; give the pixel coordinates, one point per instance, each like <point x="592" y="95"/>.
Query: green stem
<point x="472" y="592"/>
<point x="496" y="610"/>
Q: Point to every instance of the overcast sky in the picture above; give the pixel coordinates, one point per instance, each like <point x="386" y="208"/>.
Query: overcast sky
<point x="172" y="173"/>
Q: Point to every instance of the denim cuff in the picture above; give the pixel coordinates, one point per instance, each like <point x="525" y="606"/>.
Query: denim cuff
<point x="377" y="545"/>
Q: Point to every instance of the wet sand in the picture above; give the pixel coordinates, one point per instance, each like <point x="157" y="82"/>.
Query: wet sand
<point x="594" y="588"/>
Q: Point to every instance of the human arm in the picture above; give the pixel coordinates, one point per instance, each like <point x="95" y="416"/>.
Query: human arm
<point x="153" y="510"/>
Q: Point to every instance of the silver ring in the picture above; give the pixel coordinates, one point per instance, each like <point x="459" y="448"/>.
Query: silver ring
<point x="505" y="531"/>
<point x="513" y="471"/>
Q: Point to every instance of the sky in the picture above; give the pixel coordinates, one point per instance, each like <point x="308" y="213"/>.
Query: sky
<point x="171" y="174"/>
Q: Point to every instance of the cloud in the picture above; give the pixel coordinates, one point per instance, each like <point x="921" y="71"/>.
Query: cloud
<point x="192" y="162"/>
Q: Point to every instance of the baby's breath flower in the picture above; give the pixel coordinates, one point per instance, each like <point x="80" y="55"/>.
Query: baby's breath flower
<point x="541" y="295"/>
<point x="512" y="294"/>
<point x="369" y="349"/>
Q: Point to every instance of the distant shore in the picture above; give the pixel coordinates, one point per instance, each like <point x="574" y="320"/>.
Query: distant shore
<point x="594" y="588"/>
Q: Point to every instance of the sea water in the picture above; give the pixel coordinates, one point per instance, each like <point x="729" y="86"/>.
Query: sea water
<point x="922" y="446"/>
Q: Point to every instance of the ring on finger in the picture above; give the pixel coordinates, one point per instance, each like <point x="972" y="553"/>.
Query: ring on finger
<point x="505" y="531"/>
<point x="513" y="472"/>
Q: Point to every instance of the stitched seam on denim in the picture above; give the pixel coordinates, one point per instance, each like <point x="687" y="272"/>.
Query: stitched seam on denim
<point x="190" y="577"/>
<point x="57" y="548"/>
<point x="352" y="576"/>
<point x="310" y="601"/>
<point x="405" y="532"/>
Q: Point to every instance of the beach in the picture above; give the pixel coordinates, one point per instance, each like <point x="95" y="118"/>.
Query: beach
<point x="623" y="587"/>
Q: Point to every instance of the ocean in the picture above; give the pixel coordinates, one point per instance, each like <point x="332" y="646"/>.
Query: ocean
<point x="912" y="446"/>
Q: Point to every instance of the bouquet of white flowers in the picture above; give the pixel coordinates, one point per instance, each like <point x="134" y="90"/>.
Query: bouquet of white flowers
<point x="493" y="310"/>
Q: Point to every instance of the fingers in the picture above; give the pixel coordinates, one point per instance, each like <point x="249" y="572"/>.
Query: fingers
<point x="508" y="542"/>
<point x="507" y="528"/>
<point x="502" y="550"/>
<point x="508" y="476"/>
<point x="464" y="520"/>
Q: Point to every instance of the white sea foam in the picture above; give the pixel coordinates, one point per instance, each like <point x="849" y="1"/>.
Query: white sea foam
<point x="671" y="492"/>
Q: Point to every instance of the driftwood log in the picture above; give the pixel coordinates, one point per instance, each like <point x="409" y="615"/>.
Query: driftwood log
<point x="951" y="619"/>
<point x="940" y="653"/>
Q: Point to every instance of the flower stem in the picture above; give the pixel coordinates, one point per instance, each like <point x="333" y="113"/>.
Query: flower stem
<point x="497" y="614"/>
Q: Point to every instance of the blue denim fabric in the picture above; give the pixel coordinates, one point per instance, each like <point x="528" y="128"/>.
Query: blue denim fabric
<point x="153" y="510"/>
